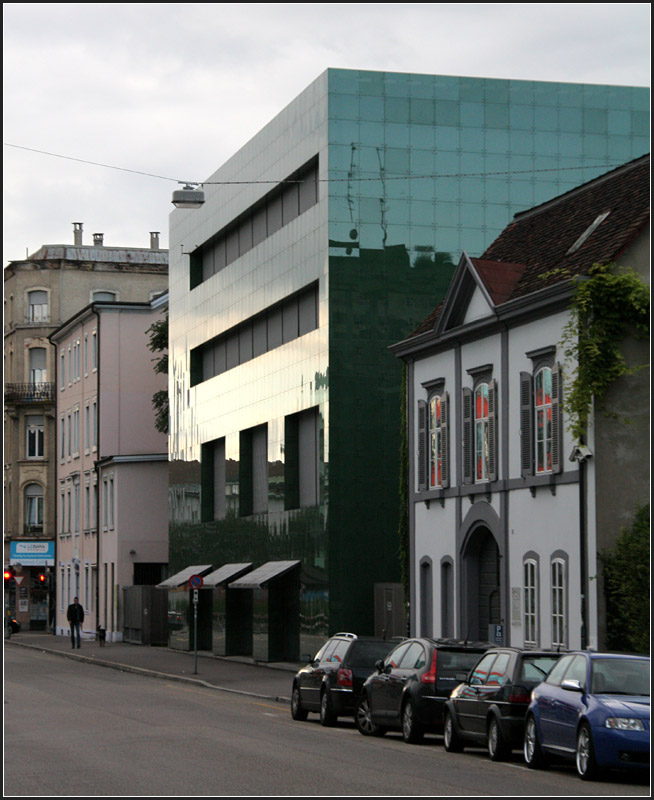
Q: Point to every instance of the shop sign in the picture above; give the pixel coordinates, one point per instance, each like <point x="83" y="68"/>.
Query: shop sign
<point x="38" y="554"/>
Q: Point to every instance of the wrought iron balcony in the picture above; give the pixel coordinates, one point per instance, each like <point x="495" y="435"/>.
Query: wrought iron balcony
<point x="29" y="392"/>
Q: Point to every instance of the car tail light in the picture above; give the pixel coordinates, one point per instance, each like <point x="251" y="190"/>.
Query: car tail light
<point x="430" y="675"/>
<point x="514" y="697"/>
<point x="344" y="678"/>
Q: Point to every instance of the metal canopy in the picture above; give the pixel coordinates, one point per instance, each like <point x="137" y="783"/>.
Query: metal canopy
<point x="226" y="573"/>
<point x="263" y="574"/>
<point x="180" y="578"/>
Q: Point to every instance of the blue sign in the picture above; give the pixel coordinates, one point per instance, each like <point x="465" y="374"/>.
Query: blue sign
<point x="37" y="554"/>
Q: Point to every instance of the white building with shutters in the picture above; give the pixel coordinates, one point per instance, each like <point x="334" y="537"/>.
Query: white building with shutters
<point x="507" y="512"/>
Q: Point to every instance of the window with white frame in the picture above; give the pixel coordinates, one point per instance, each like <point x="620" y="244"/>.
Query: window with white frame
<point x="480" y="428"/>
<point x="37" y="365"/>
<point x="86" y="353"/>
<point x="433" y="439"/>
<point x="559" y="602"/>
<point x="33" y="508"/>
<point x="94" y="424"/>
<point x="34" y="436"/>
<point x="530" y="602"/>
<point x="94" y="350"/>
<point x="76" y="431"/>
<point x="62" y="437"/>
<point x="62" y="371"/>
<point x="62" y="510"/>
<point x="541" y="416"/>
<point x="37" y="306"/>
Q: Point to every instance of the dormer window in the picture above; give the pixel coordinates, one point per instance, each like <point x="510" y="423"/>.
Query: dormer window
<point x="589" y="230"/>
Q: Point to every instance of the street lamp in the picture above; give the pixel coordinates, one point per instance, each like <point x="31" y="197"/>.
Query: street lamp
<point x="188" y="197"/>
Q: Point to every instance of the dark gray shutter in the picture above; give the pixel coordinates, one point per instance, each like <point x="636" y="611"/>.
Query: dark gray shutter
<point x="422" y="446"/>
<point x="445" y="441"/>
<point x="492" y="430"/>
<point x="468" y="431"/>
<point x="526" y="424"/>
<point x="556" y="418"/>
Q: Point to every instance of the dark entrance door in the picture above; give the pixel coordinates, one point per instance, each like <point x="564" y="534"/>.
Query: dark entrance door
<point x="482" y="572"/>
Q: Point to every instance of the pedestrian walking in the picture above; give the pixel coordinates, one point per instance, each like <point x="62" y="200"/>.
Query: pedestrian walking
<point x="75" y="616"/>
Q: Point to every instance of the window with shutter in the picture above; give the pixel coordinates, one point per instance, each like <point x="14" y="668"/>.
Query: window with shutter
<point x="468" y="473"/>
<point x="526" y="416"/>
<point x="422" y="441"/>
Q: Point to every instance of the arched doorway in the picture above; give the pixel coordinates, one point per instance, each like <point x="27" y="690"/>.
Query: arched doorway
<point x="482" y="597"/>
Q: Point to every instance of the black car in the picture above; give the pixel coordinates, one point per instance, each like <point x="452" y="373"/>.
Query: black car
<point x="490" y="706"/>
<point x="331" y="682"/>
<point x="409" y="687"/>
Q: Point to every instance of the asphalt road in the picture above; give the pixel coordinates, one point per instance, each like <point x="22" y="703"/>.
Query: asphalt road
<point x="75" y="728"/>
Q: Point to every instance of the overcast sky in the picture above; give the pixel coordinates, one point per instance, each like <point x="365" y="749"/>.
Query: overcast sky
<point x="175" y="89"/>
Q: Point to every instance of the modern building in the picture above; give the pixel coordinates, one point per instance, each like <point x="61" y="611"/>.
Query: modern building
<point x="41" y="292"/>
<point x="508" y="508"/>
<point x="329" y="236"/>
<point x="112" y="464"/>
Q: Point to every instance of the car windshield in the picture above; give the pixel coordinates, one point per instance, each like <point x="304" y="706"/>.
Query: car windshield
<point x="628" y="676"/>
<point x="535" y="669"/>
<point x="366" y="654"/>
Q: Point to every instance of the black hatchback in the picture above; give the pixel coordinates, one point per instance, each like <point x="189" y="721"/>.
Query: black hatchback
<point x="409" y="687"/>
<point x="490" y="706"/>
<point x="331" y="682"/>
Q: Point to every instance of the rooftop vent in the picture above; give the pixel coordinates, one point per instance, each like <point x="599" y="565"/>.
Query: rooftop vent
<point x="154" y="240"/>
<point x="98" y="239"/>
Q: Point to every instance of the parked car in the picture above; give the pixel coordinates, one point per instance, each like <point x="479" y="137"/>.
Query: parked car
<point x="409" y="687"/>
<point x="489" y="707"/>
<point x="593" y="708"/>
<point x="331" y="682"/>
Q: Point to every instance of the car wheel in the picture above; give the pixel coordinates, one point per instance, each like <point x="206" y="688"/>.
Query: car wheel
<point x="534" y="757"/>
<point x="412" y="731"/>
<point x="585" y="761"/>
<point x="363" y="719"/>
<point x="327" y="716"/>
<point x="297" y="712"/>
<point x="451" y="739"/>
<point x="498" y="749"/>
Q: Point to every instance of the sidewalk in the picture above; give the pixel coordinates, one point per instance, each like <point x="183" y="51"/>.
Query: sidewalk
<point x="240" y="675"/>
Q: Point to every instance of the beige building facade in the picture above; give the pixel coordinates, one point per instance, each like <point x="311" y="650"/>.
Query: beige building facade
<point x="40" y="292"/>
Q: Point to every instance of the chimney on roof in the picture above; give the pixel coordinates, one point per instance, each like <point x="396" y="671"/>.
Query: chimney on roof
<point x="77" y="233"/>
<point x="98" y="239"/>
<point x="154" y="240"/>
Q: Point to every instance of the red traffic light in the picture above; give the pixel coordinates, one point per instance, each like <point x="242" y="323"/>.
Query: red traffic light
<point x="9" y="573"/>
<point x="42" y="578"/>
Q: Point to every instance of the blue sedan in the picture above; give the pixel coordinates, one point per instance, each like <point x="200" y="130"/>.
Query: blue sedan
<point x="592" y="708"/>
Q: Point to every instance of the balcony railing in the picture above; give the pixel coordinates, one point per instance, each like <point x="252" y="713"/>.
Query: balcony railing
<point x="29" y="392"/>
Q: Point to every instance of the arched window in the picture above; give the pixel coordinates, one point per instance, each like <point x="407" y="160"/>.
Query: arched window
<point x="541" y="424"/>
<point x="432" y="470"/>
<point x="530" y="602"/>
<point x="480" y="430"/>
<point x="559" y="602"/>
<point x="33" y="508"/>
<point x="543" y="419"/>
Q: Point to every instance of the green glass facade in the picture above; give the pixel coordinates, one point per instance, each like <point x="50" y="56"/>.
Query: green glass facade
<point x="412" y="169"/>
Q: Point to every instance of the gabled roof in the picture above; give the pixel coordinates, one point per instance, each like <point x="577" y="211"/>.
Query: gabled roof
<point x="551" y="243"/>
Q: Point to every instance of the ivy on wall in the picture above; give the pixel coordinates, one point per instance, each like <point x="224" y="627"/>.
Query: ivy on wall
<point x="607" y="305"/>
<point x="158" y="343"/>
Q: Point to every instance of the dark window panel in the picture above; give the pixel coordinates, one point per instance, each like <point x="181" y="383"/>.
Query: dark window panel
<point x="309" y="189"/>
<point x="290" y="316"/>
<point x="308" y="311"/>
<point x="259" y="336"/>
<point x="274" y="214"/>
<point x="274" y="326"/>
<point x="245" y="235"/>
<point x="259" y="225"/>
<point x="232" y="351"/>
<point x="220" y="356"/>
<point x="208" y="370"/>
<point x="220" y="257"/>
<point x="231" y="246"/>
<point x="245" y="342"/>
<point x="207" y="263"/>
<point x="290" y="203"/>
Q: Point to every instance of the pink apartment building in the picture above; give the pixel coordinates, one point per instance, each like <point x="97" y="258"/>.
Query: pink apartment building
<point x="112" y="464"/>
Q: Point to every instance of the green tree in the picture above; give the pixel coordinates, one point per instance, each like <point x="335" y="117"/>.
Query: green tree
<point x="158" y="343"/>
<point x="627" y="587"/>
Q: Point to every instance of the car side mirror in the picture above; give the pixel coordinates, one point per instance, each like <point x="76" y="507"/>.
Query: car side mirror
<point x="379" y="665"/>
<point x="572" y="685"/>
<point x="307" y="658"/>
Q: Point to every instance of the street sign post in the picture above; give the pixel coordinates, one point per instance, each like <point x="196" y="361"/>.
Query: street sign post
<point x="195" y="582"/>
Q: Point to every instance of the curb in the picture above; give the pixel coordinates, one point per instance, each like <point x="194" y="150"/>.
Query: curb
<point x="150" y="672"/>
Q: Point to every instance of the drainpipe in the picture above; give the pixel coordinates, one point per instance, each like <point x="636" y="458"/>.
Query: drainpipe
<point x="96" y="467"/>
<point x="583" y="553"/>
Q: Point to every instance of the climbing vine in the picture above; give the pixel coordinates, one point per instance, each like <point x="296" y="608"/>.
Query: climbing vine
<point x="607" y="305"/>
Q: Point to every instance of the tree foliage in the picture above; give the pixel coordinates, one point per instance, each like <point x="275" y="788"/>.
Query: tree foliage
<point x="607" y="305"/>
<point x="158" y="343"/>
<point x="627" y="587"/>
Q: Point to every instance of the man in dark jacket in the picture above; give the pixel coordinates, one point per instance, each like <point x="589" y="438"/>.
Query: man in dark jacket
<point x="75" y="616"/>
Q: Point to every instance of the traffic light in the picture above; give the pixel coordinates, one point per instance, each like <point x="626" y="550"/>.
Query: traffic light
<point x="42" y="578"/>
<point x="10" y="572"/>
